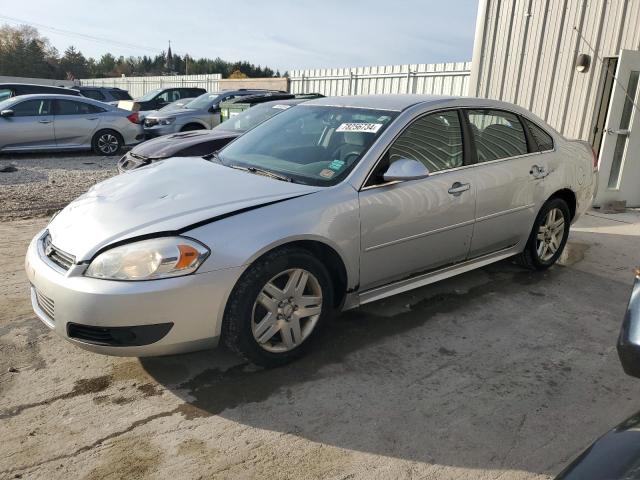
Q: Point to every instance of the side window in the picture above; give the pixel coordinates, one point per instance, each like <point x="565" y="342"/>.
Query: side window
<point x="32" y="108"/>
<point x="542" y="138"/>
<point x="175" y="95"/>
<point x="95" y="94"/>
<point x="166" y="96"/>
<point x="497" y="134"/>
<point x="70" y="107"/>
<point x="435" y="140"/>
<point x="5" y="93"/>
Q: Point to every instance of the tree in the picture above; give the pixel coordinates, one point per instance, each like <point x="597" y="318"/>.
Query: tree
<point x="237" y="74"/>
<point x="73" y="64"/>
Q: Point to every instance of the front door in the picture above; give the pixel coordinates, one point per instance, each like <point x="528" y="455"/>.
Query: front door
<point x="31" y="126"/>
<point x="419" y="225"/>
<point x="619" y="165"/>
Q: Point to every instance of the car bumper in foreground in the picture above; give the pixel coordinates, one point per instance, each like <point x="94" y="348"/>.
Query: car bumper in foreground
<point x="159" y="130"/>
<point x="629" y="339"/>
<point x="147" y="318"/>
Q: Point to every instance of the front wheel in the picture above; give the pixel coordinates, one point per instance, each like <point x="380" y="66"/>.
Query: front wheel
<point x="278" y="307"/>
<point x="107" y="142"/>
<point x="548" y="236"/>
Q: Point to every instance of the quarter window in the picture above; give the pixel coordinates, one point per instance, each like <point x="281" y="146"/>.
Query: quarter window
<point x="542" y="138"/>
<point x="32" y="108"/>
<point x="497" y="134"/>
<point x="435" y="140"/>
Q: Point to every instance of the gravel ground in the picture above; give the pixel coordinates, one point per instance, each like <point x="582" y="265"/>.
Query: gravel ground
<point x="44" y="183"/>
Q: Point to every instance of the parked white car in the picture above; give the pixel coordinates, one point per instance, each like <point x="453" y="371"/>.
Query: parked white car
<point x="329" y="205"/>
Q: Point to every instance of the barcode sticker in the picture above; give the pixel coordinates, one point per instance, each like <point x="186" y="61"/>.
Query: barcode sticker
<point x="359" y="127"/>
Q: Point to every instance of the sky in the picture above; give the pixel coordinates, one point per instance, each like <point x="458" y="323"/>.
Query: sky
<point x="281" y="34"/>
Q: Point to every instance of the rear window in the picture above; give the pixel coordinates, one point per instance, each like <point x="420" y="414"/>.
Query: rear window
<point x="542" y="138"/>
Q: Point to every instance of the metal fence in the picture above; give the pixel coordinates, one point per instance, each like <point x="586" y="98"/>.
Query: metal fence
<point x="138" y="86"/>
<point x="428" y="79"/>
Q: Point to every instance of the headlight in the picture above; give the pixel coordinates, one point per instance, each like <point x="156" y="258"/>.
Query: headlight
<point x="166" y="121"/>
<point x="149" y="259"/>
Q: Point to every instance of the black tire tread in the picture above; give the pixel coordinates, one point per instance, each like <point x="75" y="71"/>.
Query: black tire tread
<point x="94" y="141"/>
<point x="232" y="331"/>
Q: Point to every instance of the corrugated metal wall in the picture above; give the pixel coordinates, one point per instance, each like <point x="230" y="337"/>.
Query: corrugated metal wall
<point x="435" y="79"/>
<point x="138" y="86"/>
<point x="525" y="52"/>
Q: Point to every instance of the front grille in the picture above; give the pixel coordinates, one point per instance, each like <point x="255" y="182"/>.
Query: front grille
<point x="46" y="304"/>
<point x="150" y="122"/>
<point x="57" y="256"/>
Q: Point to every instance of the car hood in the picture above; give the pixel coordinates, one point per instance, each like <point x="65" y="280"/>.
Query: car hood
<point x="167" y="145"/>
<point x="163" y="197"/>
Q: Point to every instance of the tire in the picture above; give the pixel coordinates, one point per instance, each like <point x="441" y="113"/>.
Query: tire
<point x="545" y="245"/>
<point x="189" y="127"/>
<point x="268" y="337"/>
<point x="107" y="142"/>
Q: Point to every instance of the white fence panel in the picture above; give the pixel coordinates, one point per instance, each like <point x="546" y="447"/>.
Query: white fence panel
<point x="138" y="86"/>
<point x="426" y="79"/>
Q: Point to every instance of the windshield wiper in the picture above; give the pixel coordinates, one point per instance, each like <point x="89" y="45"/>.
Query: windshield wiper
<point x="260" y="171"/>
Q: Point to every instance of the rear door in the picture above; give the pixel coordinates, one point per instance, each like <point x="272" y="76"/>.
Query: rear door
<point x="31" y="126"/>
<point x="509" y="178"/>
<point x="75" y="122"/>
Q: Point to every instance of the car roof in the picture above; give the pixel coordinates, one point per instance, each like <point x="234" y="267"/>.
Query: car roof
<point x="379" y="102"/>
<point x="60" y="96"/>
<point x="6" y="85"/>
<point x="91" y="87"/>
<point x="286" y="101"/>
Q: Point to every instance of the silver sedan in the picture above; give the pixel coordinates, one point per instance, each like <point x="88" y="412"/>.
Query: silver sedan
<point x="61" y="122"/>
<point x="330" y="205"/>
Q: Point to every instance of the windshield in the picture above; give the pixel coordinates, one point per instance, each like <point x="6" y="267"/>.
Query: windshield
<point x="149" y="95"/>
<point x="203" y="101"/>
<point x="315" y="145"/>
<point x="248" y="119"/>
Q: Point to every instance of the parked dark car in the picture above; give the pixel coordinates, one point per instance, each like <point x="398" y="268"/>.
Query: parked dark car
<point x="161" y="97"/>
<point x="111" y="95"/>
<point x="202" y="142"/>
<point x="231" y="108"/>
<point x="8" y="90"/>
<point x="616" y="455"/>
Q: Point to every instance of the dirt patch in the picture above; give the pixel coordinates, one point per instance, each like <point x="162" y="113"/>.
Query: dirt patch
<point x="44" y="183"/>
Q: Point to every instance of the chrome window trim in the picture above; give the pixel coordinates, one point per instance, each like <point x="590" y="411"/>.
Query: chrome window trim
<point x="462" y="167"/>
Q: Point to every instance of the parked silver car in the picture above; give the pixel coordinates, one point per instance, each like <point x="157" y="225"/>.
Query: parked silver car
<point x="62" y="122"/>
<point x="202" y="112"/>
<point x="329" y="205"/>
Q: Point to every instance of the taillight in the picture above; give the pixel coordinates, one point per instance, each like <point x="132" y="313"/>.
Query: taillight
<point x="595" y="159"/>
<point x="133" y="118"/>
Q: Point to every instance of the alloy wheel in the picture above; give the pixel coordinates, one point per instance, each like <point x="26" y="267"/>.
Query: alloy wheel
<point x="550" y="234"/>
<point x="108" y="143"/>
<point x="287" y="310"/>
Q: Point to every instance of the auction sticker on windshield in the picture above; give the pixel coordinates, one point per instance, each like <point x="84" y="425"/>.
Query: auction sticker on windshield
<point x="359" y="127"/>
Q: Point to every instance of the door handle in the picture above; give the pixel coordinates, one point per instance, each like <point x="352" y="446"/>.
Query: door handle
<point x="457" y="188"/>
<point x="618" y="132"/>
<point x="538" y="172"/>
<point x="92" y="118"/>
<point x="44" y="121"/>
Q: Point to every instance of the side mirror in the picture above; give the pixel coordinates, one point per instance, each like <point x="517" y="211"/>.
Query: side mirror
<point x="405" y="169"/>
<point x="214" y="109"/>
<point x="7" y="113"/>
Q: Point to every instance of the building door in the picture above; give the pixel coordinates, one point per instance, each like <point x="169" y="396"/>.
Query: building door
<point x="619" y="164"/>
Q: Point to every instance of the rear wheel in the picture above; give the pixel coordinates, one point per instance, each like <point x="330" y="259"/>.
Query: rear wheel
<point x="278" y="307"/>
<point x="107" y="142"/>
<point x="548" y="236"/>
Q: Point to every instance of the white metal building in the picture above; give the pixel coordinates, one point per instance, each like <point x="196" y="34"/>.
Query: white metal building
<point x="575" y="63"/>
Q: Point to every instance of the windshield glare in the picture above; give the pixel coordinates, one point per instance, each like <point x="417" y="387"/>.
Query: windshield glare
<point x="203" y="101"/>
<point x="315" y="145"/>
<point x="248" y="119"/>
<point x="149" y="95"/>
